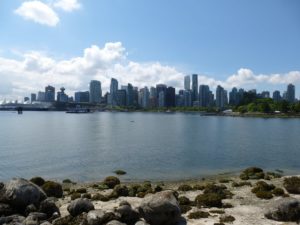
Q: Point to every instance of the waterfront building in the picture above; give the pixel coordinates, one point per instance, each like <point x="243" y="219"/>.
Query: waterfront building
<point x="113" y="92"/>
<point x="161" y="99"/>
<point x="41" y="96"/>
<point x="61" y="96"/>
<point x="187" y="98"/>
<point x="211" y="101"/>
<point x="195" y="87"/>
<point x="153" y="98"/>
<point x="187" y="83"/>
<point x="129" y="95"/>
<point x="161" y="88"/>
<point x="82" y="96"/>
<point x="49" y="94"/>
<point x="170" y="97"/>
<point x="290" y="93"/>
<point x="144" y="97"/>
<point x="95" y="91"/>
<point x="33" y="97"/>
<point x="121" y="97"/>
<point x="135" y="96"/>
<point x="180" y="100"/>
<point x="221" y="97"/>
<point x="26" y="99"/>
<point x="203" y="95"/>
<point x="234" y="97"/>
<point x="276" y="96"/>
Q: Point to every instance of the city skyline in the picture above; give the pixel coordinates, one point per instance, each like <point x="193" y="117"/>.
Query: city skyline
<point x="161" y="95"/>
<point x="223" y="43"/>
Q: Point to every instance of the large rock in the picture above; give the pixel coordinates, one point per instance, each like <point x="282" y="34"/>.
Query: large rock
<point x="79" y="206"/>
<point x="5" y="210"/>
<point x="53" y="189"/>
<point x="127" y="214"/>
<point x="14" y="219"/>
<point x="286" y="209"/>
<point x="115" y="222"/>
<point x="49" y="208"/>
<point x="35" y="218"/>
<point x="160" y="209"/>
<point x="96" y="217"/>
<point x="20" y="193"/>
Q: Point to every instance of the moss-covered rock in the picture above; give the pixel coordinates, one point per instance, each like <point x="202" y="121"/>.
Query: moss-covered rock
<point x="198" y="215"/>
<point x="75" y="195"/>
<point x="227" y="219"/>
<point x="119" y="190"/>
<point x="81" y="190"/>
<point x="241" y="184"/>
<point x="185" y="187"/>
<point x="53" y="189"/>
<point x="262" y="186"/>
<point x="292" y="185"/>
<point x="120" y="172"/>
<point x="67" y="181"/>
<point x="278" y="192"/>
<point x="182" y="200"/>
<point x="264" y="194"/>
<point x="221" y="190"/>
<point x="158" y="188"/>
<point x="209" y="200"/>
<point x="111" y="181"/>
<point x="100" y="197"/>
<point x="217" y="211"/>
<point x="86" y="195"/>
<point x="185" y="208"/>
<point x="224" y="180"/>
<point x="252" y="173"/>
<point x="39" y="181"/>
<point x="198" y="187"/>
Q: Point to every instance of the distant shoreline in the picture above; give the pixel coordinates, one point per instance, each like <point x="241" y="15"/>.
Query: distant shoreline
<point x="201" y="113"/>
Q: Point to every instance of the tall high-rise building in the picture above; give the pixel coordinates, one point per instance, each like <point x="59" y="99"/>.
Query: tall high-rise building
<point x="95" y="91"/>
<point x="145" y="101"/>
<point x="153" y="97"/>
<point x="61" y="95"/>
<point x="129" y="95"/>
<point x="82" y="96"/>
<point x="221" y="97"/>
<point x="233" y="97"/>
<point x="187" y="83"/>
<point x="161" y="88"/>
<point x="121" y="97"/>
<point x="187" y="95"/>
<point x="41" y="96"/>
<point x="49" y="94"/>
<point x="161" y="99"/>
<point x="276" y="96"/>
<point x="195" y="87"/>
<point x="290" y="93"/>
<point x="33" y="97"/>
<point x="203" y="95"/>
<point x="113" y="91"/>
<point x="170" y="97"/>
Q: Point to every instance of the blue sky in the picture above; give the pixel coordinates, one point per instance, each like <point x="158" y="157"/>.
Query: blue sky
<point x="215" y="38"/>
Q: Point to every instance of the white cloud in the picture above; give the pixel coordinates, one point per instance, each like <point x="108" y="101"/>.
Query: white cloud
<point x="38" y="12"/>
<point x="67" y="5"/>
<point x="35" y="70"/>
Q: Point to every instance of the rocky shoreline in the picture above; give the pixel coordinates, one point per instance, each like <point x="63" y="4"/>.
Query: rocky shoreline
<point x="254" y="197"/>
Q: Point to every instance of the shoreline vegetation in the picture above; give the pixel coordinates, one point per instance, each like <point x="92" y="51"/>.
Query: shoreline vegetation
<point x="253" y="197"/>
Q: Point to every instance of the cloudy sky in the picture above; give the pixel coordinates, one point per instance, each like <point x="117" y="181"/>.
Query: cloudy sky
<point x="249" y="44"/>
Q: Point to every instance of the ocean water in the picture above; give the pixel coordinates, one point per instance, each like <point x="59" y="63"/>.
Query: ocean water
<point x="149" y="146"/>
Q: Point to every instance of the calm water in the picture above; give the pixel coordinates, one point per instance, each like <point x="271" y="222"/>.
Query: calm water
<point x="88" y="147"/>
